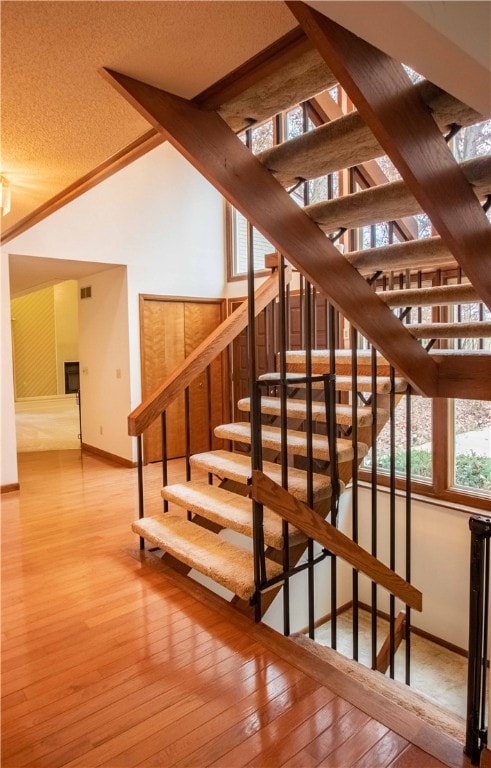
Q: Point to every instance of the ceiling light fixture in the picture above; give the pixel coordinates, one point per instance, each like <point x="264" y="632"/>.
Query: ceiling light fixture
<point x="5" y="195"/>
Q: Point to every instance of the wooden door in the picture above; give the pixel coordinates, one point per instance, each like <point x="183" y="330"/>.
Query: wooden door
<point x="170" y="330"/>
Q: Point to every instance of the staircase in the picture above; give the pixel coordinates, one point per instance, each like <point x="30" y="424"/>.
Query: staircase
<point x="247" y="516"/>
<point x="191" y="533"/>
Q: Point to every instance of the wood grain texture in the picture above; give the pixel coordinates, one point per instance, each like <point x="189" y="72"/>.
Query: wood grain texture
<point x="197" y="362"/>
<point x="112" y="659"/>
<point x="398" y="117"/>
<point x="269" y="493"/>
<point x="205" y="140"/>
<point x="383" y="656"/>
<point x="464" y="375"/>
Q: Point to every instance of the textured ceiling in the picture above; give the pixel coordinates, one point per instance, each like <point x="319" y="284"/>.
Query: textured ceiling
<point x="60" y="119"/>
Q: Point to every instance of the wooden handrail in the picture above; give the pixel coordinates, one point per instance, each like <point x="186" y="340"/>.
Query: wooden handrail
<point x="266" y="491"/>
<point x="200" y="358"/>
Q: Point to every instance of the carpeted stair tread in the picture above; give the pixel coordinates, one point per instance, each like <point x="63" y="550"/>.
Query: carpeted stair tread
<point x="297" y="409"/>
<point x="473" y="330"/>
<point x="228" y="565"/>
<point x="321" y="361"/>
<point x="343" y="383"/>
<point x="240" y="431"/>
<point x="228" y="510"/>
<point x="236" y="466"/>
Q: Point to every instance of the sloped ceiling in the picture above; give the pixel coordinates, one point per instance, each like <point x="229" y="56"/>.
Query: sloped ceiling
<point x="60" y="119"/>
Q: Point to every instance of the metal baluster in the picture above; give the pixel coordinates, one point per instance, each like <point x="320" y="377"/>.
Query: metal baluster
<point x="354" y="481"/>
<point x="374" y="503"/>
<point x="408" y="535"/>
<point x="140" y="484"/>
<point x="392" y="523"/>
<point x="163" y="424"/>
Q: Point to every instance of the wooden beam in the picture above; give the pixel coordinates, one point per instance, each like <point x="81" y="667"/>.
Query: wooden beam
<point x="383" y="656"/>
<point x="393" y="110"/>
<point x="465" y="375"/>
<point x="199" y="359"/>
<point x="205" y="140"/>
<point x="272" y="495"/>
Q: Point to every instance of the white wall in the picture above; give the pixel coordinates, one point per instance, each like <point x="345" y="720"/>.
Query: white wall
<point x="104" y="363"/>
<point x="159" y="218"/>
<point x="439" y="563"/>
<point x="440" y="568"/>
<point x="8" y="458"/>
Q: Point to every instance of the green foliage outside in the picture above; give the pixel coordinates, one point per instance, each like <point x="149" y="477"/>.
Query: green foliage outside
<point x="471" y="470"/>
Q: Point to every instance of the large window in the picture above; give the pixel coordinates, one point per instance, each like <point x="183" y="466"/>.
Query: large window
<point x="449" y="440"/>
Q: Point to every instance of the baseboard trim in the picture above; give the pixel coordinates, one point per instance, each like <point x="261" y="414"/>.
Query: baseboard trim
<point x="112" y="457"/>
<point x="327" y="617"/>
<point x="421" y="633"/>
<point x="10" y="488"/>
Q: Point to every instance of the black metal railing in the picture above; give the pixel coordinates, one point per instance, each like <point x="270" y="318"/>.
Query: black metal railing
<point x="476" y="728"/>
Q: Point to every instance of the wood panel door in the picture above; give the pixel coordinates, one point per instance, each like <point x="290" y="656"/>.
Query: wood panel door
<point x="169" y="330"/>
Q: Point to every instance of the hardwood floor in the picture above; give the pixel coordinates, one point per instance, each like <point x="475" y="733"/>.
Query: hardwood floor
<point x="110" y="659"/>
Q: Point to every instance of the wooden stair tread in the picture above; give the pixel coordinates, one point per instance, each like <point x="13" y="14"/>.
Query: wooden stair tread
<point x="296" y="440"/>
<point x="225" y="563"/>
<point x="228" y="510"/>
<point x="345" y="383"/>
<point x="297" y="409"/>
<point x="237" y="467"/>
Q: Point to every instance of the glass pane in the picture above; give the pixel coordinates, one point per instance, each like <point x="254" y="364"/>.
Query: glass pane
<point x="262" y="137"/>
<point x="472" y="445"/>
<point x="421" y="453"/>
<point x="240" y="238"/>
<point x="294" y="123"/>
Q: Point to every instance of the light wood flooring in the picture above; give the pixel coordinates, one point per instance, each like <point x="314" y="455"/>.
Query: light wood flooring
<point x="110" y="659"/>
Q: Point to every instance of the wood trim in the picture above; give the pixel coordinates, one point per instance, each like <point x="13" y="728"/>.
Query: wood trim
<point x="266" y="491"/>
<point x="383" y="656"/>
<point x="429" y="494"/>
<point x="464" y="375"/>
<point x="327" y="617"/>
<point x="402" y="124"/>
<point x="117" y="162"/>
<point x="420" y="632"/>
<point x="111" y="457"/>
<point x="198" y="360"/>
<point x="10" y="488"/>
<point x="206" y="141"/>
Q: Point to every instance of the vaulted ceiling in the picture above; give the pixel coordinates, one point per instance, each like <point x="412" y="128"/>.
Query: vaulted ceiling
<point x="61" y="120"/>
